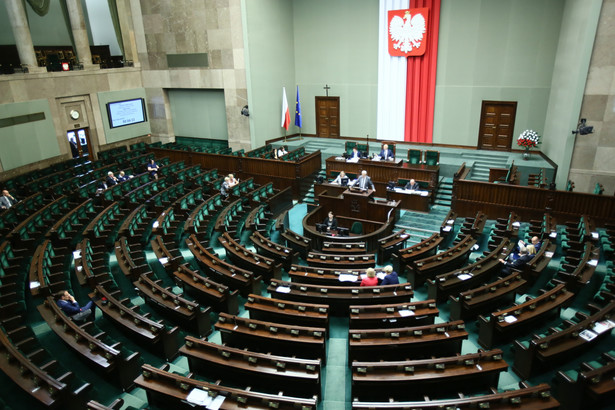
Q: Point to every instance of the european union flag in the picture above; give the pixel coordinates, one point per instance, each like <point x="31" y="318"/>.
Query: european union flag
<point x="297" y="110"/>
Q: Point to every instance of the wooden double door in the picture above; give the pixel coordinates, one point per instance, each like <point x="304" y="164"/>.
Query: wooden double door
<point x="328" y="117"/>
<point x="497" y="124"/>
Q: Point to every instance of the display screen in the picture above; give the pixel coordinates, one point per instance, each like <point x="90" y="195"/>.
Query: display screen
<point x="126" y="112"/>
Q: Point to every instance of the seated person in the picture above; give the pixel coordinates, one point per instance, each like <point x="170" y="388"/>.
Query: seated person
<point x="391" y="277"/>
<point x="7" y="200"/>
<point x="534" y="241"/>
<point x="370" y="279"/>
<point x="101" y="187"/>
<point x="412" y="185"/>
<point x="386" y="153"/>
<point x="152" y="168"/>
<point x="535" y="246"/>
<point x="364" y="182"/>
<point x="283" y="150"/>
<point x="518" y="264"/>
<point x="122" y="177"/>
<point x="330" y="222"/>
<point x="232" y="181"/>
<point x="111" y="179"/>
<point x="341" y="179"/>
<point x="224" y="188"/>
<point x="354" y="156"/>
<point x="69" y="305"/>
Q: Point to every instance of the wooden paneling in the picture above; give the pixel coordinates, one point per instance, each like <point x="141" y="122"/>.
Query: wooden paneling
<point x="497" y="123"/>
<point x="498" y="200"/>
<point x="283" y="174"/>
<point x="328" y="117"/>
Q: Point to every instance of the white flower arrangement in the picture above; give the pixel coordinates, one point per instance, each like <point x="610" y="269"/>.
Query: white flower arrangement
<point x="528" y="139"/>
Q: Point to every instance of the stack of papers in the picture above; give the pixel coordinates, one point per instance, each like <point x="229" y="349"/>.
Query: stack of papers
<point x="601" y="327"/>
<point x="588" y="335"/>
<point x="202" y="398"/>
<point x="345" y="277"/>
<point x="283" y="289"/>
<point x="405" y="312"/>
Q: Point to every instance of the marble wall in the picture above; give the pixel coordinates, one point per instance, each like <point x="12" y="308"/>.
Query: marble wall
<point x="593" y="159"/>
<point x="189" y="27"/>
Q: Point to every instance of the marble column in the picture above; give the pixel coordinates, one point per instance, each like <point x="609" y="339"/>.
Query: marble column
<point x="80" y="34"/>
<point x="23" y="39"/>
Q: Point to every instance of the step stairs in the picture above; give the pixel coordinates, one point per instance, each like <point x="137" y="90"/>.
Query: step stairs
<point x="421" y="226"/>
<point x="444" y="194"/>
<point x="480" y="169"/>
<point x="306" y="188"/>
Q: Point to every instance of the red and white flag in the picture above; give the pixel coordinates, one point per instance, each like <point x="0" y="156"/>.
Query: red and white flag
<point x="285" y="112"/>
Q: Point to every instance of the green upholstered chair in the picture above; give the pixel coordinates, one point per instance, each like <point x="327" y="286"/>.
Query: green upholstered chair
<point x="599" y="189"/>
<point x="356" y="228"/>
<point x="349" y="146"/>
<point x="432" y="157"/>
<point x="414" y="156"/>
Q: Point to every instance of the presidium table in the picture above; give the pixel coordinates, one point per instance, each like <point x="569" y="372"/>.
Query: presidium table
<point x="383" y="172"/>
<point x="377" y="217"/>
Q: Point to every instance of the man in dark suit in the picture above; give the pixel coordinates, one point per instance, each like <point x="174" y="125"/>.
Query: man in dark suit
<point x="364" y="182"/>
<point x="355" y="155"/>
<point x="518" y="263"/>
<point x="535" y="241"/>
<point x="413" y="185"/>
<point x="71" y="308"/>
<point x="7" y="200"/>
<point x="111" y="179"/>
<point x="386" y="153"/>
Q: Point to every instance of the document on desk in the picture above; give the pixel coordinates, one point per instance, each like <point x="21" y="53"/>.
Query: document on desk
<point x="283" y="289"/>
<point x="405" y="313"/>
<point x="345" y="277"/>
<point x="199" y="397"/>
<point x="601" y="327"/>
<point x="588" y="335"/>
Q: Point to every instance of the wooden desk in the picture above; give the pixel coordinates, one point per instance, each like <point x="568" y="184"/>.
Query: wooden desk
<point x="373" y="380"/>
<point x="413" y="201"/>
<point x="381" y="172"/>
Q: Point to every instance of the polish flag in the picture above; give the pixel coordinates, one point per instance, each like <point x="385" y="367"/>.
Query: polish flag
<point x="285" y="112"/>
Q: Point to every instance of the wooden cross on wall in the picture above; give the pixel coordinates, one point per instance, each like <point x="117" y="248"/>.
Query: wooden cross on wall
<point x="327" y="88"/>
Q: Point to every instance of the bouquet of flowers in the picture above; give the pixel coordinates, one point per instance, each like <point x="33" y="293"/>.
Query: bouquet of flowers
<point x="528" y="139"/>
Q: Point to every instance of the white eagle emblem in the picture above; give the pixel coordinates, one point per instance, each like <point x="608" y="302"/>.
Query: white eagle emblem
<point x="407" y="32"/>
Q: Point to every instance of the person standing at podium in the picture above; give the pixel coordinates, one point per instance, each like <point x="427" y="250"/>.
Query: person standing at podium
<point x="364" y="182"/>
<point x="330" y="222"/>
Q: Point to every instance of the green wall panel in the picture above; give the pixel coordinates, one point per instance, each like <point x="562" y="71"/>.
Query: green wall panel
<point x="198" y="113"/>
<point x="336" y="43"/>
<point x="30" y="142"/>
<point x="494" y="50"/>
<point x="270" y="65"/>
